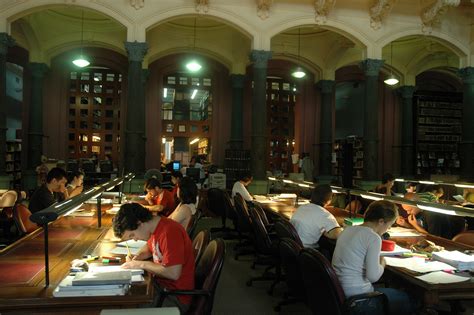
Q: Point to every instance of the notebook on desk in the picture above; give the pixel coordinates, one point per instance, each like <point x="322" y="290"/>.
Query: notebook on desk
<point x="102" y="278"/>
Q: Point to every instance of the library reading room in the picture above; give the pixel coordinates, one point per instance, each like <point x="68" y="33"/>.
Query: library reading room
<point x="237" y="157"/>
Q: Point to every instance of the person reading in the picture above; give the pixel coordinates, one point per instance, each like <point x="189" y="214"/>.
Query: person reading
<point x="168" y="246"/>
<point x="386" y="186"/>
<point x="357" y="260"/>
<point x="240" y="187"/>
<point x="75" y="185"/>
<point x="158" y="199"/>
<point x="312" y="220"/>
<point x="187" y="194"/>
<point x="54" y="190"/>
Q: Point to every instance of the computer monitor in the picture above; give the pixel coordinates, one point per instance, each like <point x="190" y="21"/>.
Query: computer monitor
<point x="194" y="173"/>
<point x="176" y="166"/>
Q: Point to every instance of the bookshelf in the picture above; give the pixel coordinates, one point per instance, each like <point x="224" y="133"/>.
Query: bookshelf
<point x="352" y="147"/>
<point x="438" y="133"/>
<point x="13" y="160"/>
<point x="236" y="163"/>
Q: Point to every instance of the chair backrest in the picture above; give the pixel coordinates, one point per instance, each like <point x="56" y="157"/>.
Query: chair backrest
<point x="200" y="242"/>
<point x="262" y="239"/>
<point x="284" y="229"/>
<point x="289" y="252"/>
<point x="231" y="212"/>
<point x="466" y="237"/>
<point x="216" y="201"/>
<point x="262" y="214"/>
<point x="192" y="224"/>
<point x="245" y="223"/>
<point x="8" y="199"/>
<point x="324" y="293"/>
<point x="21" y="215"/>
<point x="207" y="275"/>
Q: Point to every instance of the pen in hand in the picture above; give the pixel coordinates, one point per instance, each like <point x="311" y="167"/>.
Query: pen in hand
<point x="129" y="255"/>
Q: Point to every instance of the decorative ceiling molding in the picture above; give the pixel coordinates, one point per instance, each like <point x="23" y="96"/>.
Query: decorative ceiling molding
<point x="379" y="11"/>
<point x="322" y="8"/>
<point x="137" y="4"/>
<point x="432" y="14"/>
<point x="263" y="8"/>
<point x="202" y="6"/>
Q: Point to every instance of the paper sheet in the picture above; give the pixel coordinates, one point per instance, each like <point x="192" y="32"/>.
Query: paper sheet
<point x="132" y="244"/>
<point x="398" y="231"/>
<point x="417" y="264"/>
<point x="109" y="268"/>
<point x="442" y="277"/>
<point x="123" y="251"/>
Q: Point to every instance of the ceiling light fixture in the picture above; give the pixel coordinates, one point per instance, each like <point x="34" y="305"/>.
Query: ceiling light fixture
<point x="299" y="72"/>
<point x="81" y="61"/>
<point x="391" y="80"/>
<point x="193" y="65"/>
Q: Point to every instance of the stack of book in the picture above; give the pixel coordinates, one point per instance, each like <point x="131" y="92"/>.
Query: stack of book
<point x="94" y="284"/>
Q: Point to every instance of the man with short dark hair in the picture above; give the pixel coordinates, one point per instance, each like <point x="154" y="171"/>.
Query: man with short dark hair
<point x="54" y="190"/>
<point x="158" y="199"/>
<point x="312" y="220"/>
<point x="168" y="245"/>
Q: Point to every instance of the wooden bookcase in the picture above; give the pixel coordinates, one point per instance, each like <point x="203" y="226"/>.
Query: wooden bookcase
<point x="356" y="152"/>
<point x="13" y="161"/>
<point x="236" y="163"/>
<point x="438" y="132"/>
<point x="281" y="99"/>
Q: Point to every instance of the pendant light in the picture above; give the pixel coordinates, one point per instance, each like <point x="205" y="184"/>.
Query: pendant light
<point x="299" y="72"/>
<point x="81" y="61"/>
<point x="391" y="80"/>
<point x="193" y="65"/>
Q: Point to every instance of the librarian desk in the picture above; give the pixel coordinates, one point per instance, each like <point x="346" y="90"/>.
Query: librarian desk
<point x="22" y="278"/>
<point x="430" y="294"/>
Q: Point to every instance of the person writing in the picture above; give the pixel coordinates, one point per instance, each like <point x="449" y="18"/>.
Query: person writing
<point x="54" y="190"/>
<point x="75" y="185"/>
<point x="158" y="199"/>
<point x="240" y="187"/>
<point x="168" y="245"/>
<point x="357" y="260"/>
<point x="312" y="220"/>
<point x="187" y="193"/>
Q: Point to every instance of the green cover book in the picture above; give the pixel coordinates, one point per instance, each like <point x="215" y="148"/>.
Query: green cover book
<point x="353" y="221"/>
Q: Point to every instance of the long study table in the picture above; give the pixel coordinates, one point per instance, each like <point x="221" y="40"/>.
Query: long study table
<point x="430" y="294"/>
<point x="22" y="280"/>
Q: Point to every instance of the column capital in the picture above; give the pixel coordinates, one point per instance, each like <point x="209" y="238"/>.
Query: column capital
<point x="467" y="75"/>
<point x="326" y="86"/>
<point x="5" y="42"/>
<point x="237" y="80"/>
<point x="371" y="67"/>
<point x="38" y="70"/>
<point x="260" y="58"/>
<point x="406" y="91"/>
<point x="136" y="50"/>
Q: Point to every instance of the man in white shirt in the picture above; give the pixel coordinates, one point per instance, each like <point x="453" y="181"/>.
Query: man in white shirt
<point x="240" y="187"/>
<point x="312" y="220"/>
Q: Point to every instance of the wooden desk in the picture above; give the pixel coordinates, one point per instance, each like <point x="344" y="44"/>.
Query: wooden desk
<point x="431" y="294"/>
<point x="22" y="270"/>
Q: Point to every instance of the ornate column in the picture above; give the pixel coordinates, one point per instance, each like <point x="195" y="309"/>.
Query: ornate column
<point x="326" y="127"/>
<point x="259" y="113"/>
<point x="371" y="68"/>
<point x="407" y="159"/>
<point x="134" y="145"/>
<point x="236" y="128"/>
<point x="5" y="42"/>
<point x="35" y="121"/>
<point x="466" y="148"/>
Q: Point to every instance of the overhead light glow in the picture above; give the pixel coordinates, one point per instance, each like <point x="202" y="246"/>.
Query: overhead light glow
<point x="391" y="80"/>
<point x="81" y="62"/>
<point x="165" y="92"/>
<point x="194" y="141"/>
<point x="304" y="185"/>
<point x="371" y="197"/>
<point x="288" y="181"/>
<point x="464" y="186"/>
<point x="399" y="180"/>
<point x="163" y="140"/>
<point x="193" y="66"/>
<point x="194" y="94"/>
<point x="434" y="209"/>
<point x="298" y="73"/>
<point x="272" y="178"/>
<point x="426" y="182"/>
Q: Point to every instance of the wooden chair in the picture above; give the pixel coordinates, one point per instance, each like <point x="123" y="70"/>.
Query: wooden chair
<point x="324" y="294"/>
<point x="200" y="243"/>
<point x="466" y="237"/>
<point x="21" y="215"/>
<point x="207" y="275"/>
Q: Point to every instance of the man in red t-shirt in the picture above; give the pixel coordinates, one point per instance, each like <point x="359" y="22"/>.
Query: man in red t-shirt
<point x="168" y="245"/>
<point x="158" y="199"/>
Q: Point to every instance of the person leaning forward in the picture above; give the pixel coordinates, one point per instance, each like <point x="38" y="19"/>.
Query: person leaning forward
<point x="54" y="190"/>
<point x="168" y="245"/>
